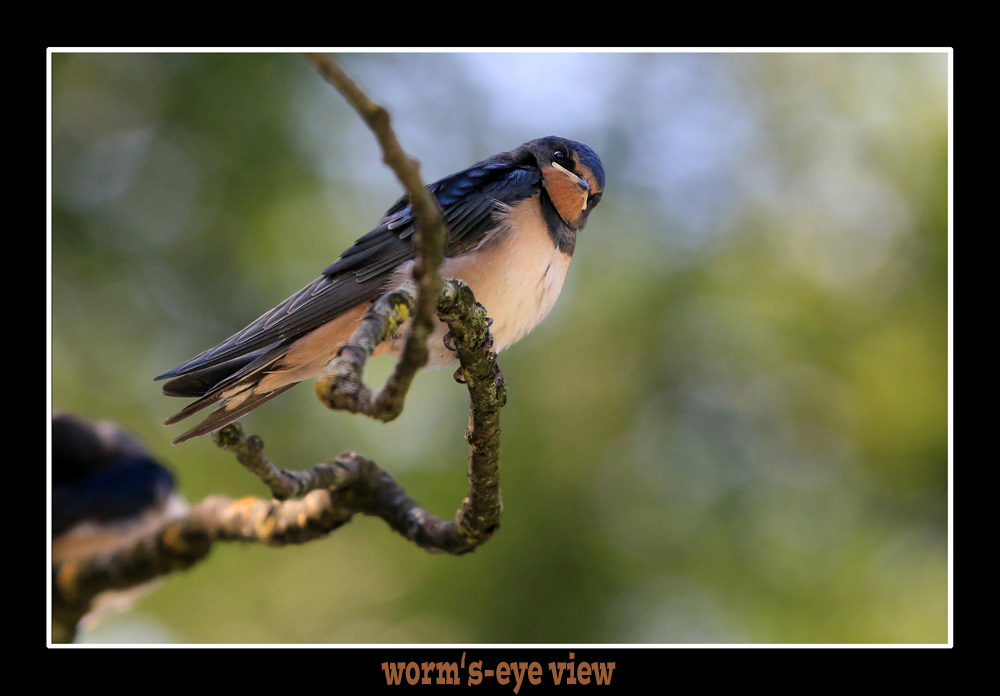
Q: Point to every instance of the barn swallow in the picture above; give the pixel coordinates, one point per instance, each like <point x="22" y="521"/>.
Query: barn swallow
<point x="105" y="488"/>
<point x="107" y="492"/>
<point x="512" y="222"/>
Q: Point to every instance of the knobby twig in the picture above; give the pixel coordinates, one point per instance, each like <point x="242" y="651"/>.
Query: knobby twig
<point x="310" y="504"/>
<point x="479" y="515"/>
<point x="182" y="542"/>
<point x="325" y="496"/>
<point x="429" y="239"/>
<point x="342" y="386"/>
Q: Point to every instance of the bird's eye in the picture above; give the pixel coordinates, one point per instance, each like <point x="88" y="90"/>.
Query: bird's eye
<point x="559" y="154"/>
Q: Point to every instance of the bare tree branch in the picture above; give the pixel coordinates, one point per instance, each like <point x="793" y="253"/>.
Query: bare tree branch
<point x="330" y="494"/>
<point x="310" y="504"/>
<point x="479" y="515"/>
<point x="341" y="387"/>
<point x="429" y="239"/>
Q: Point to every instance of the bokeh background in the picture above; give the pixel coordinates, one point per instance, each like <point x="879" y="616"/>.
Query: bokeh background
<point x="732" y="428"/>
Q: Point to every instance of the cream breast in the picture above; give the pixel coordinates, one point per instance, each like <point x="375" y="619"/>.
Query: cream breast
<point x="517" y="273"/>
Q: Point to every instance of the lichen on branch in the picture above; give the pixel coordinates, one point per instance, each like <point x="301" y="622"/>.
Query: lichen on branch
<point x="308" y="505"/>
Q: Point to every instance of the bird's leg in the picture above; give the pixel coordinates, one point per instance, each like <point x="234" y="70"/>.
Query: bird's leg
<point x="489" y="335"/>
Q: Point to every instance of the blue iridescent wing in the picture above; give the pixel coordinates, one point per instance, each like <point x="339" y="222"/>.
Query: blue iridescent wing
<point x="469" y="201"/>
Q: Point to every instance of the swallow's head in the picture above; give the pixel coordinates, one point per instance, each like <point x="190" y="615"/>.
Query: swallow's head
<point x="572" y="175"/>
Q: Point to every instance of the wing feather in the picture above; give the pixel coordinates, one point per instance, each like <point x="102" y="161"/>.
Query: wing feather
<point x="470" y="201"/>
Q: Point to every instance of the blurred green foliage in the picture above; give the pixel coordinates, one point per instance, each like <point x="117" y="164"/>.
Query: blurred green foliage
<point x="732" y="428"/>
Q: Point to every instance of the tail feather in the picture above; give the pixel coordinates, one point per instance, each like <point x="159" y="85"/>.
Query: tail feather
<point x="204" y="381"/>
<point x="224" y="415"/>
<point x="232" y="383"/>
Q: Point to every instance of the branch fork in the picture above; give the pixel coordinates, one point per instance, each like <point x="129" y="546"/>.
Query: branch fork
<point x="307" y="505"/>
